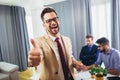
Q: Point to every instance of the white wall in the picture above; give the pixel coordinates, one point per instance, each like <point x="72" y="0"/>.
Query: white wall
<point x="38" y="29"/>
<point x="34" y="24"/>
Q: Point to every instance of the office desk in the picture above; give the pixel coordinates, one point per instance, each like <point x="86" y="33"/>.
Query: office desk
<point x="85" y="75"/>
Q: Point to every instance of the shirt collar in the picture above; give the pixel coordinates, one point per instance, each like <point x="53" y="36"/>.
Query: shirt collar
<point x="109" y="52"/>
<point x="53" y="38"/>
<point x="90" y="45"/>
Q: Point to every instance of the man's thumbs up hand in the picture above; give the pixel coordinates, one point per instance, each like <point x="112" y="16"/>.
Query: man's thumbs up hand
<point x="34" y="56"/>
<point x="33" y="43"/>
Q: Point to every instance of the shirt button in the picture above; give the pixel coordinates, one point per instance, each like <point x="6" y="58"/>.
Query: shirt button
<point x="56" y="72"/>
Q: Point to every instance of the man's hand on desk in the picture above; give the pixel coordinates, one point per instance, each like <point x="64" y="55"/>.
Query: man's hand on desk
<point x="85" y="68"/>
<point x="78" y="65"/>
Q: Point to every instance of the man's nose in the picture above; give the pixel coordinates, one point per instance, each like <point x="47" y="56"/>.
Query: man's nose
<point x="53" y="23"/>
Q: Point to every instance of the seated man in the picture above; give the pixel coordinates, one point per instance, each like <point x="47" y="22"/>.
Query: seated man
<point x="109" y="56"/>
<point x="89" y="52"/>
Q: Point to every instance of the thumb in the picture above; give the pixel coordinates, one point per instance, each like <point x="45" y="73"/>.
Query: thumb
<point x="33" y="43"/>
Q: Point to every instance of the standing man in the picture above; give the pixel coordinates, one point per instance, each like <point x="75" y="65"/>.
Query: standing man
<point x="109" y="56"/>
<point x="53" y="51"/>
<point x="89" y="52"/>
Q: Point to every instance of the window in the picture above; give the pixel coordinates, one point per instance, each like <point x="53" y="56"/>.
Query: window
<point x="29" y="27"/>
<point x="101" y="19"/>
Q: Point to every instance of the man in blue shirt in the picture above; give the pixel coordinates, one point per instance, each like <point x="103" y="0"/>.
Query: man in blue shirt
<point x="109" y="56"/>
<point x="89" y="52"/>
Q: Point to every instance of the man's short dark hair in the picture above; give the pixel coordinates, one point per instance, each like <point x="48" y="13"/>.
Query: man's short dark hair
<point x="89" y="36"/>
<point x="47" y="10"/>
<point x="103" y="41"/>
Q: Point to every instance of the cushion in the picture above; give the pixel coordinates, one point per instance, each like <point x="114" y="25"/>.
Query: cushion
<point x="7" y="67"/>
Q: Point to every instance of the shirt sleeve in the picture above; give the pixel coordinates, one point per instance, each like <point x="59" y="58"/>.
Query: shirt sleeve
<point x="99" y="60"/>
<point x="117" y="61"/>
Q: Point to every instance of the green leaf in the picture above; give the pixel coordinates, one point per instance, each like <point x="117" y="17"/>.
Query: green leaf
<point x="105" y="72"/>
<point x="98" y="70"/>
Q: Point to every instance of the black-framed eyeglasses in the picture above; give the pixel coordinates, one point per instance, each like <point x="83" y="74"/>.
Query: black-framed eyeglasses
<point x="50" y="20"/>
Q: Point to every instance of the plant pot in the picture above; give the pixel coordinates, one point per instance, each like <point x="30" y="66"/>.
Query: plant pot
<point x="99" y="77"/>
<point x="92" y="76"/>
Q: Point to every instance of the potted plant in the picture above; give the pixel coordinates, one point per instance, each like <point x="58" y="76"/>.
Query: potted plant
<point x="98" y="73"/>
<point x="92" y="71"/>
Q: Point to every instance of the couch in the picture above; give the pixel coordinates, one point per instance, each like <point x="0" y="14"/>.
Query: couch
<point x="8" y="71"/>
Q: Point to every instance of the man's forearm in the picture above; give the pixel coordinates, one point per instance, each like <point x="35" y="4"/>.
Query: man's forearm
<point x="113" y="71"/>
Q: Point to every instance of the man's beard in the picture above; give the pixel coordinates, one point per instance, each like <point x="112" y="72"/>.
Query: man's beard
<point x="103" y="50"/>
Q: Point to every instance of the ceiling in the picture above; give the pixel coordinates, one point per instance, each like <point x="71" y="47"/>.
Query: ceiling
<point x="97" y="2"/>
<point x="29" y="4"/>
<point x="33" y="4"/>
